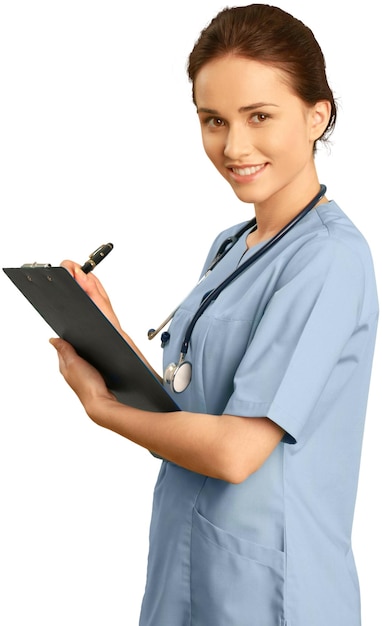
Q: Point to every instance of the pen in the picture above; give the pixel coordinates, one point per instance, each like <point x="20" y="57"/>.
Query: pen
<point x="96" y="257"/>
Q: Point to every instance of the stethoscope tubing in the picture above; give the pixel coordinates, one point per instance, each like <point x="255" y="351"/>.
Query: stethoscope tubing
<point x="239" y="270"/>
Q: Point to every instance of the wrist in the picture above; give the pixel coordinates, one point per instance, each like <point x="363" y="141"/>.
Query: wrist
<point x="98" y="408"/>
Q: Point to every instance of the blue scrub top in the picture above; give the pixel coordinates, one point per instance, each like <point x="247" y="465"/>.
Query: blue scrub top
<point x="292" y="338"/>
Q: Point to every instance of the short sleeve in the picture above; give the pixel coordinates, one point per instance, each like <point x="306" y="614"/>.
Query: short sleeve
<point x="307" y="323"/>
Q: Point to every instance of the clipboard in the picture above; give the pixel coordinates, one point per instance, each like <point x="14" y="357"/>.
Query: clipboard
<point x="73" y="316"/>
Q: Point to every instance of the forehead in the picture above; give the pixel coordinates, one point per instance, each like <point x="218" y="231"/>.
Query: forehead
<point x="238" y="80"/>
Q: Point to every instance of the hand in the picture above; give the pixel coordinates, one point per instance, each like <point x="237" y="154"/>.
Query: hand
<point x="82" y="377"/>
<point x="93" y="287"/>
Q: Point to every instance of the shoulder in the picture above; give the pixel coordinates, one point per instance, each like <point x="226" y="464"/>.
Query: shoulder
<point x="342" y="230"/>
<point x="330" y="251"/>
<point x="327" y="234"/>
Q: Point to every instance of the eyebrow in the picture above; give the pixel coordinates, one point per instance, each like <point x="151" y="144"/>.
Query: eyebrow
<point x="245" y="109"/>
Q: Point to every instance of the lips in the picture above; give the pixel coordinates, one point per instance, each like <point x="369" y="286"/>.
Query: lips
<point x="245" y="174"/>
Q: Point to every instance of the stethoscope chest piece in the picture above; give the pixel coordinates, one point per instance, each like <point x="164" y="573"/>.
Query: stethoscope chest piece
<point x="178" y="375"/>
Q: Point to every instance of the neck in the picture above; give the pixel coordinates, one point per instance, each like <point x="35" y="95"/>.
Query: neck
<point x="275" y="213"/>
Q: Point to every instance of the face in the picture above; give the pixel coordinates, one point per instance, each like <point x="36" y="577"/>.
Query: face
<point x="256" y="131"/>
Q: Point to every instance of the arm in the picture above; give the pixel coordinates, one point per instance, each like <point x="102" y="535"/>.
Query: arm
<point x="227" y="447"/>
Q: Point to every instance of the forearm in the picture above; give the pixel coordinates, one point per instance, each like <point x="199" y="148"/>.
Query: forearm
<point x="220" y="446"/>
<point x="183" y="438"/>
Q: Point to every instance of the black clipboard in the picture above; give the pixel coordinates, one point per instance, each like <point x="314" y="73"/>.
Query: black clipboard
<point x="73" y="316"/>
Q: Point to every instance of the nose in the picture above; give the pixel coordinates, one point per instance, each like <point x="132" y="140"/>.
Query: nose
<point x="238" y="142"/>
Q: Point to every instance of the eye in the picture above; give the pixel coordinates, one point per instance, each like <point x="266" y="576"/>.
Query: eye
<point x="259" y="118"/>
<point x="214" y="122"/>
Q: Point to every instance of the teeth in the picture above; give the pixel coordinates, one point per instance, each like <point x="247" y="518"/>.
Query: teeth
<point x="246" y="171"/>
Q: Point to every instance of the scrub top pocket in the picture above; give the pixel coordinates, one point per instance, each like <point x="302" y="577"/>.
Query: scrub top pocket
<point x="234" y="582"/>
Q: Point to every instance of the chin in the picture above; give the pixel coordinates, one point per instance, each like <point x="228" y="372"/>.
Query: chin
<point x="249" y="196"/>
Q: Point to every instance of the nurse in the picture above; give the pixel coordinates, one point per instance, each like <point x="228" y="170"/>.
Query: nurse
<point x="253" y="508"/>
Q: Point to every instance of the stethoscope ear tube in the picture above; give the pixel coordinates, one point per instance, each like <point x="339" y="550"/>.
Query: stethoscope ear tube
<point x="154" y="331"/>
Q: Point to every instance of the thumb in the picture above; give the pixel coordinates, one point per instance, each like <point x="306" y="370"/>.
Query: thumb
<point x="58" y="343"/>
<point x="64" y="349"/>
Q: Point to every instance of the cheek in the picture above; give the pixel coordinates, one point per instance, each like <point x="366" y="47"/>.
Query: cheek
<point x="291" y="141"/>
<point x="207" y="144"/>
<point x="213" y="146"/>
<point x="298" y="132"/>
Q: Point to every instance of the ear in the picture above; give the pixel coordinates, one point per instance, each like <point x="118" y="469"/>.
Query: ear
<point x="320" y="116"/>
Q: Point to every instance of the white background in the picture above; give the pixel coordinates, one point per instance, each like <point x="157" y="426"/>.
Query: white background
<point x="100" y="142"/>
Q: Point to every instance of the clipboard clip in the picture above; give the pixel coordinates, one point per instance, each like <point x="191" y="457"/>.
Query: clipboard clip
<point x="30" y="265"/>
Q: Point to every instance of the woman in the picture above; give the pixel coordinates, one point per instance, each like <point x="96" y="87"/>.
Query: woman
<point x="253" y="507"/>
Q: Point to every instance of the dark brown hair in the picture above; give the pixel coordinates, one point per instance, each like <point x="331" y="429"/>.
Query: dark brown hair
<point x="270" y="35"/>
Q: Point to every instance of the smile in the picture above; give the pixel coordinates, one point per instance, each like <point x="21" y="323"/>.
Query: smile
<point x="247" y="171"/>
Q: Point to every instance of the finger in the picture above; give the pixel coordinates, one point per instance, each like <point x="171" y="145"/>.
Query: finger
<point x="85" y="280"/>
<point x="89" y="282"/>
<point x="70" y="266"/>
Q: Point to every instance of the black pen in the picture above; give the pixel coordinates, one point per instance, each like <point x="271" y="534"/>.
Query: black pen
<point x="96" y="257"/>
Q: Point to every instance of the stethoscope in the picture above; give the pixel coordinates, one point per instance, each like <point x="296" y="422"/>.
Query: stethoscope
<point x="178" y="375"/>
